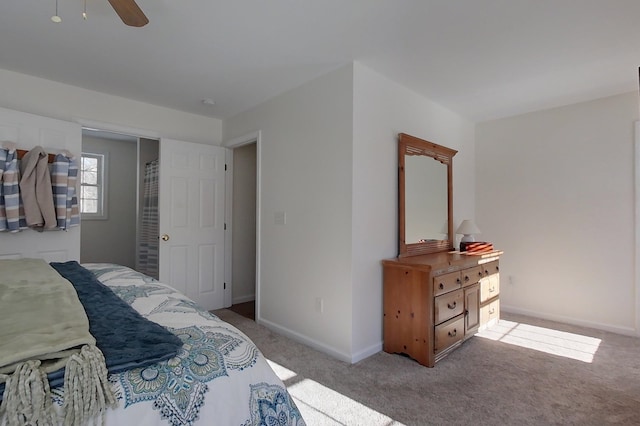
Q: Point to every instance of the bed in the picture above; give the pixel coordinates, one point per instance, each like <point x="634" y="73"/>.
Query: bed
<point x="218" y="375"/>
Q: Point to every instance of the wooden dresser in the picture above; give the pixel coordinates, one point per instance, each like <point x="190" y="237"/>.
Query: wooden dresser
<point x="433" y="302"/>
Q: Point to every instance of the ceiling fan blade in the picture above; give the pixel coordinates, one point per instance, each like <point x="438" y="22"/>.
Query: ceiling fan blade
<point x="129" y="12"/>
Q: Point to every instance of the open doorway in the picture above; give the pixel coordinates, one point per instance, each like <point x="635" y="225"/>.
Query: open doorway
<point x="244" y="220"/>
<point x="114" y="235"/>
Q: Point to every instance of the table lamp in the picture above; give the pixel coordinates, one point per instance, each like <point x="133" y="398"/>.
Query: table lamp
<point x="468" y="229"/>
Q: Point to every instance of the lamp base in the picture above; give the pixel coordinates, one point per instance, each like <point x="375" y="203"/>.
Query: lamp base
<point x="465" y="240"/>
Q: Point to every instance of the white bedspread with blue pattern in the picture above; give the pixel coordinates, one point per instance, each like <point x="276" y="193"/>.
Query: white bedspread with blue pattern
<point x="218" y="378"/>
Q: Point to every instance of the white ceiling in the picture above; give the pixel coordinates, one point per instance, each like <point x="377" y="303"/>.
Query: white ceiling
<point x="484" y="59"/>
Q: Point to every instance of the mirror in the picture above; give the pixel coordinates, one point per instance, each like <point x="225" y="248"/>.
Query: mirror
<point x="425" y="189"/>
<point x="425" y="198"/>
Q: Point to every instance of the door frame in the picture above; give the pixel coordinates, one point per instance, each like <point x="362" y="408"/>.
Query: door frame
<point x="114" y="128"/>
<point x="254" y="137"/>
<point x="637" y="222"/>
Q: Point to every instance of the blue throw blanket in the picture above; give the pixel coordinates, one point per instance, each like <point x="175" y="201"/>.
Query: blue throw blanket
<point x="126" y="338"/>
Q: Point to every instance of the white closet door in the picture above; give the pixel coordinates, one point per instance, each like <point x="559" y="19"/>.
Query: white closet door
<point x="191" y="207"/>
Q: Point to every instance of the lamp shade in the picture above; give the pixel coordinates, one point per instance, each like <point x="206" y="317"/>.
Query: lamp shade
<point x="467" y="227"/>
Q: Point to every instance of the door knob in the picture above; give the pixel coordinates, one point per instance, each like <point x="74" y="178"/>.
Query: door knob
<point x="165" y="237"/>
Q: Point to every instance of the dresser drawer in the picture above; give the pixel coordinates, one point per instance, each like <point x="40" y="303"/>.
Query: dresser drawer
<point x="489" y="314"/>
<point x="446" y="283"/>
<point x="449" y="305"/>
<point x="448" y="333"/>
<point x="490" y="268"/>
<point x="472" y="275"/>
<point x="489" y="287"/>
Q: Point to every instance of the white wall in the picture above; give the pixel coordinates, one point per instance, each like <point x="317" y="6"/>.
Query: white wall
<point x="382" y="109"/>
<point x="330" y="161"/>
<point x="45" y="100"/>
<point x="51" y="99"/>
<point x="306" y="166"/>
<point x="555" y="191"/>
<point x="113" y="240"/>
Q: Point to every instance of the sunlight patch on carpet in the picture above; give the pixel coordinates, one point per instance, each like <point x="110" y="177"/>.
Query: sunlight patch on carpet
<point x="555" y="342"/>
<point x="321" y="405"/>
<point x="282" y="372"/>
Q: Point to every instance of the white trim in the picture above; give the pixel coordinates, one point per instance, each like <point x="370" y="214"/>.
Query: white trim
<point x="366" y="353"/>
<point x="115" y="128"/>
<point x="244" y="299"/>
<point x="304" y="339"/>
<point x="254" y="137"/>
<point x="637" y="224"/>
<point x="627" y="331"/>
<point x="228" y="220"/>
<point x="352" y="359"/>
<point x="243" y="140"/>
<point x="102" y="185"/>
<point x="139" y="192"/>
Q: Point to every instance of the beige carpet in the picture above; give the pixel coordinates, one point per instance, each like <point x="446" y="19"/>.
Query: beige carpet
<point x="574" y="376"/>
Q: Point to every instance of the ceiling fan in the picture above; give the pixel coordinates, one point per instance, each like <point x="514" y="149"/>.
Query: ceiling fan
<point x="129" y="12"/>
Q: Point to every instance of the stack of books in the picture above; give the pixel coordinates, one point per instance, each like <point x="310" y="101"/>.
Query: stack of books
<point x="476" y="247"/>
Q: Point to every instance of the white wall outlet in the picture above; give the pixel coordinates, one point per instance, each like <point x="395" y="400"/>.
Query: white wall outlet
<point x="280" y="218"/>
<point x="319" y="305"/>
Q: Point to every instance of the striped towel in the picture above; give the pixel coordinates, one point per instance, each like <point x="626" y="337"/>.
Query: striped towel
<point x="9" y="191"/>
<point x="59" y="181"/>
<point x="64" y="174"/>
<point x="73" y="210"/>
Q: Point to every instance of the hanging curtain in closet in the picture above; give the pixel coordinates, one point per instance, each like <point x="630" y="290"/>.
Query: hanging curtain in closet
<point x="148" y="250"/>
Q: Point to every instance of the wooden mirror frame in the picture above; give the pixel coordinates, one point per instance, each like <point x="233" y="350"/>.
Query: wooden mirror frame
<point x="411" y="145"/>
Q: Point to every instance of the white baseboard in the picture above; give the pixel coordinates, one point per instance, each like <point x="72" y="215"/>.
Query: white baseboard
<point x="243" y="299"/>
<point x="315" y="344"/>
<point x="627" y="331"/>
<point x="366" y="353"/>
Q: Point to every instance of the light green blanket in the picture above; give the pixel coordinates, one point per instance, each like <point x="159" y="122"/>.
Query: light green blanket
<point x="44" y="328"/>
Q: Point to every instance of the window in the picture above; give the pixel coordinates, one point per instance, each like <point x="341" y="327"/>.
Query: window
<point x="93" y="204"/>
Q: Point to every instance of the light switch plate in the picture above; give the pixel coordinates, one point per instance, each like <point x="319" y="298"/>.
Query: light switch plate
<point x="280" y="218"/>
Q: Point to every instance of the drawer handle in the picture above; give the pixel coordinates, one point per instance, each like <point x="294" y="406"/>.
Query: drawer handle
<point x="450" y="306"/>
<point x="453" y="333"/>
<point x="480" y="273"/>
<point x="492" y="289"/>
<point x="458" y="280"/>
<point x="492" y="311"/>
<point x="498" y="268"/>
<point x="466" y="278"/>
<point x="441" y="286"/>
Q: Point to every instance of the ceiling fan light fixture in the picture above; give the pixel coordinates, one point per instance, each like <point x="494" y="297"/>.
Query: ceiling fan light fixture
<point x="56" y="18"/>
<point x="127" y="10"/>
